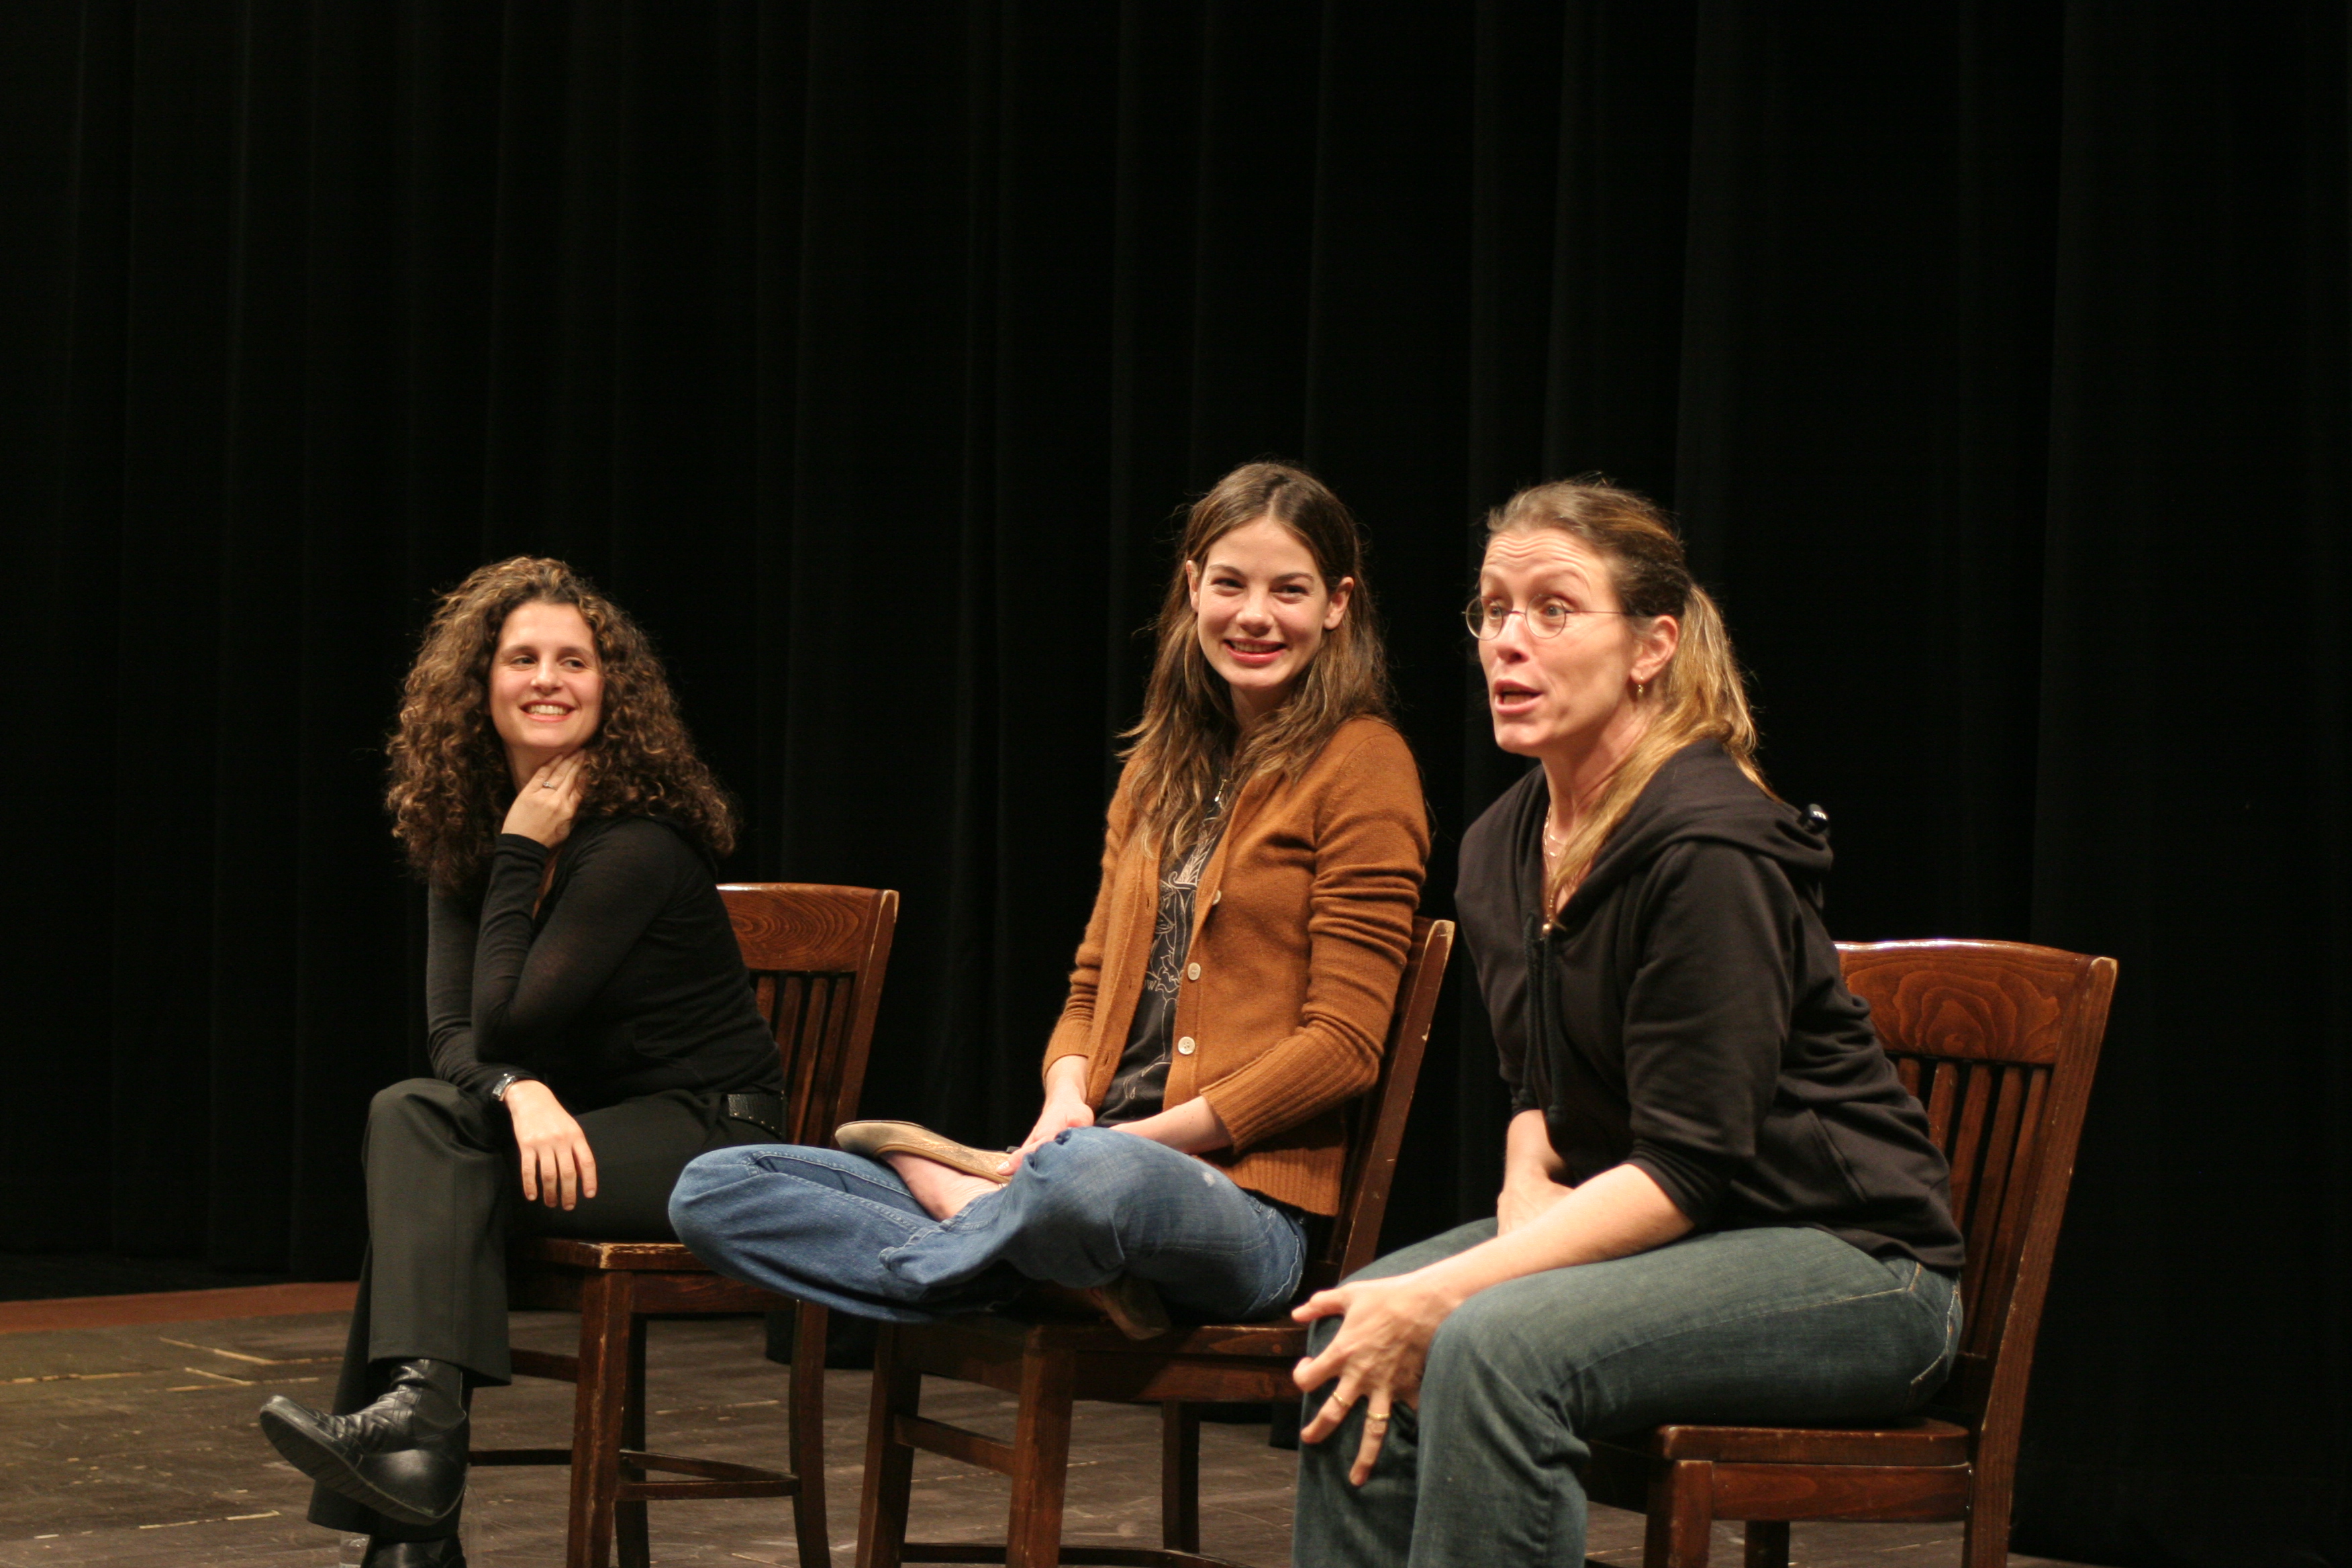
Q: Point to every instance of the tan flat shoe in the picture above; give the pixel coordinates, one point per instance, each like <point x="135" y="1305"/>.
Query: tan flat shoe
<point x="1134" y="1305"/>
<point x="876" y="1138"/>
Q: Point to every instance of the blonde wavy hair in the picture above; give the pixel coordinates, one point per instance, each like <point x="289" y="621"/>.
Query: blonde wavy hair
<point x="1699" y="695"/>
<point x="1188" y="735"/>
<point x="450" y="786"/>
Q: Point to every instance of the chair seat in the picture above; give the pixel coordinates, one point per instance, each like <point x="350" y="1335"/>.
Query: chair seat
<point x="1205" y="1361"/>
<point x="1921" y="1441"/>
<point x="634" y="1256"/>
<point x="1092" y="1333"/>
<point x="551" y="1273"/>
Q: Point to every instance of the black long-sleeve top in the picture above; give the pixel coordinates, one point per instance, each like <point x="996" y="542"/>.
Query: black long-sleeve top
<point x="625" y="980"/>
<point x="1685" y="1015"/>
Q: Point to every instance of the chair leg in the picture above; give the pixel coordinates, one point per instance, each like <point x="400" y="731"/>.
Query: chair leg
<point x="1041" y="1460"/>
<point x="1682" y="1516"/>
<point x="804" y="1428"/>
<point x="629" y="1517"/>
<point x="1768" y="1544"/>
<point x="1179" y="1476"/>
<point x="1984" y="1541"/>
<point x="889" y="1464"/>
<point x="607" y="1310"/>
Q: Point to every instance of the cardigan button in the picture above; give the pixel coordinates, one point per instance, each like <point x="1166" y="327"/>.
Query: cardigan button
<point x="1216" y="898"/>
<point x="1184" y="1046"/>
<point x="1192" y="971"/>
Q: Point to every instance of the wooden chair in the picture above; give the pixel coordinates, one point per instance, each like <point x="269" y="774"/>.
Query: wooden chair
<point x="1999" y="1040"/>
<point x="1050" y="1362"/>
<point x="816" y="956"/>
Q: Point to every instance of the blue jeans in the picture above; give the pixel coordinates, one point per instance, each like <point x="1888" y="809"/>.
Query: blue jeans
<point x="1778" y="1325"/>
<point x="1092" y="1204"/>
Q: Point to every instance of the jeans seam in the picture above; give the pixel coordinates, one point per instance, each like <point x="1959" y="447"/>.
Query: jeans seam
<point x="1298" y="1270"/>
<point x="1945" y="1354"/>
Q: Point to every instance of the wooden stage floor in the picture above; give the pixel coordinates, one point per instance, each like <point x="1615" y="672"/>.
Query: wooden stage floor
<point x="134" y="1446"/>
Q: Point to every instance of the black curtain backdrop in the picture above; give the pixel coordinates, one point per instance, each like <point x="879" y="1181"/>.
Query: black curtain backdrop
<point x="1996" y="355"/>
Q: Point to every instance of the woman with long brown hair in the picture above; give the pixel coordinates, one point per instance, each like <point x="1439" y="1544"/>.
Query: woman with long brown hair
<point x="1718" y="1201"/>
<point x="592" y="1026"/>
<point x="1260" y="870"/>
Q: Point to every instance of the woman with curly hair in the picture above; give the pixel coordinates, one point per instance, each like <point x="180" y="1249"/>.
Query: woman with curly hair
<point x="1259" y="873"/>
<point x="592" y="1026"/>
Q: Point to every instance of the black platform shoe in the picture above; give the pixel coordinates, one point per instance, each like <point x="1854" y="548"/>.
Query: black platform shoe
<point x="442" y="1554"/>
<point x="405" y="1455"/>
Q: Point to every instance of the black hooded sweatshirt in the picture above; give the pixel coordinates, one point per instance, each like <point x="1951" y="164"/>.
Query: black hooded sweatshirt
<point x="1685" y="1015"/>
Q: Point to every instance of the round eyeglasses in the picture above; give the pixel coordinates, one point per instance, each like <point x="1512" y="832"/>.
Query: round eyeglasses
<point x="1486" y="617"/>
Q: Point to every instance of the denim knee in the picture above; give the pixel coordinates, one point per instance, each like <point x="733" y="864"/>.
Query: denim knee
<point x="1084" y="1153"/>
<point x="1469" y="1343"/>
<point x="703" y="1175"/>
<point x="1481" y="1354"/>
<point x="1081" y="1175"/>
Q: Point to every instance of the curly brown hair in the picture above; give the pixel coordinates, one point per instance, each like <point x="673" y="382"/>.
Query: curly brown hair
<point x="450" y="787"/>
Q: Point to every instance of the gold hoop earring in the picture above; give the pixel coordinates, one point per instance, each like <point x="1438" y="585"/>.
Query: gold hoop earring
<point x="1638" y="689"/>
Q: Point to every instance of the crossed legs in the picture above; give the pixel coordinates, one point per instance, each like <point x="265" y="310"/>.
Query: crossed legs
<point x="1089" y="1206"/>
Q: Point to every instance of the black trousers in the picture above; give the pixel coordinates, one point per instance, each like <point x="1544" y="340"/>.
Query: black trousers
<point x="444" y="1194"/>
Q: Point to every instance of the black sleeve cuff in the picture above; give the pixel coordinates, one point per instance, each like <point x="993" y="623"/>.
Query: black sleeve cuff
<point x="1694" y="1180"/>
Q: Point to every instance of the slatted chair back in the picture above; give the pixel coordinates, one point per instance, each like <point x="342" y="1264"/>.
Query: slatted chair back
<point x="817" y="955"/>
<point x="1380" y="1116"/>
<point x="1998" y="1041"/>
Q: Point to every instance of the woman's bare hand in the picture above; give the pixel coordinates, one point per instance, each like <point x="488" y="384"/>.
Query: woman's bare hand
<point x="559" y="1169"/>
<point x="1065" y="1107"/>
<point x="1377" y="1356"/>
<point x="542" y="808"/>
<point x="1059" y="1116"/>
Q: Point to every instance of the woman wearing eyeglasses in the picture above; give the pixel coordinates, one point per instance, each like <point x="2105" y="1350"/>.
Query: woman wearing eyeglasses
<point x="1260" y="870"/>
<point x="1719" y="1203"/>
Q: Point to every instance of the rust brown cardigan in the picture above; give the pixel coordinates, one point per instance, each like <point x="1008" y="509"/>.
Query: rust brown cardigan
<point x="1299" y="931"/>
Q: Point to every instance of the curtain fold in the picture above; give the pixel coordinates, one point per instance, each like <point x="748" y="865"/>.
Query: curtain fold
<point x="1996" y="356"/>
